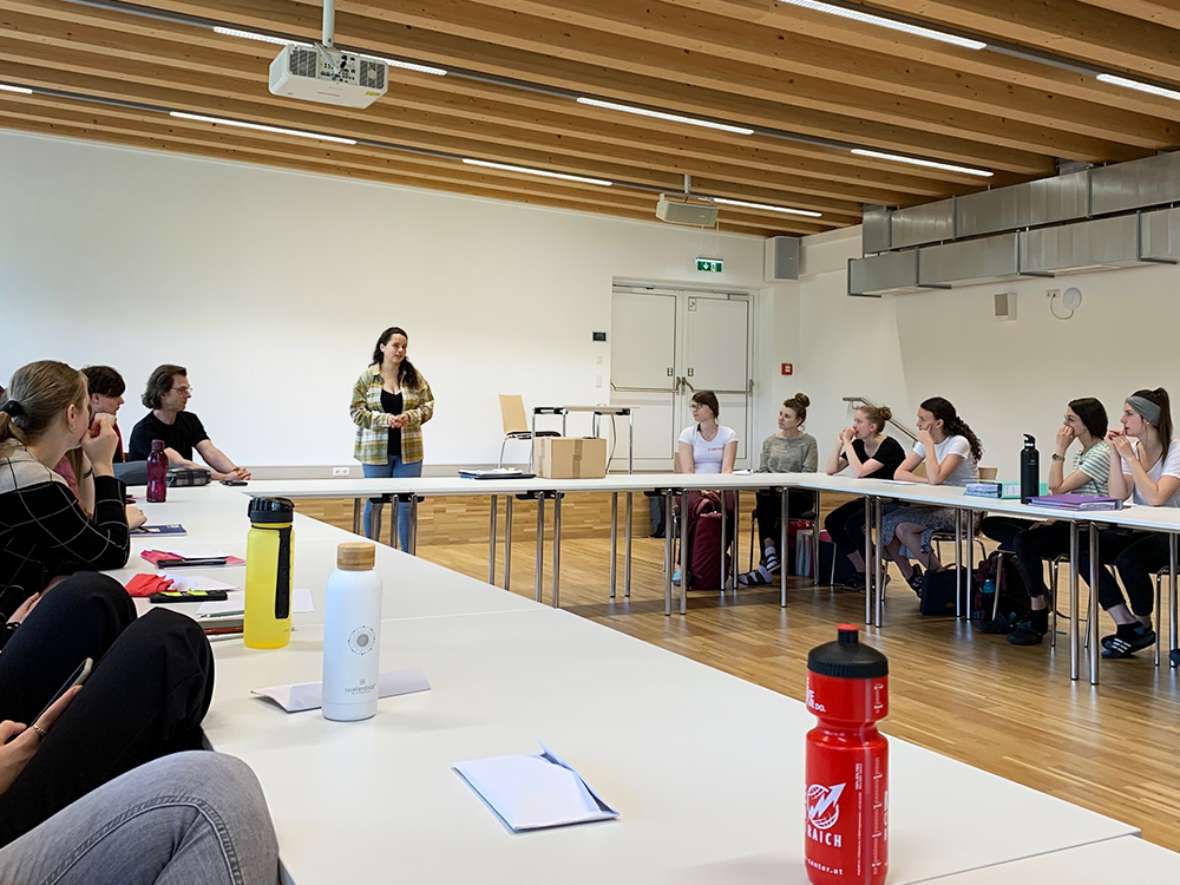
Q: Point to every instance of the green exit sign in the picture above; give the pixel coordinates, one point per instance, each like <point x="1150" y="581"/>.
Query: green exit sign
<point x="710" y="265"/>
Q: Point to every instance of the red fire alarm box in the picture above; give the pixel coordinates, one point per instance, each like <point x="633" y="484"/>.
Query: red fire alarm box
<point x="787" y="368"/>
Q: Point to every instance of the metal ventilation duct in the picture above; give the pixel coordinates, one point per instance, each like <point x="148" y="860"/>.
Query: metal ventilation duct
<point x="890" y="273"/>
<point x="1078" y="248"/>
<point x="1035" y="203"/>
<point x="1139" y="184"/>
<point x="1159" y="236"/>
<point x="971" y="262"/>
<point x="918" y="225"/>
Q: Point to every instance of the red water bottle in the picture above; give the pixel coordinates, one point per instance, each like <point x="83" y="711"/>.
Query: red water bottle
<point x="157" y="473"/>
<point x="847" y="770"/>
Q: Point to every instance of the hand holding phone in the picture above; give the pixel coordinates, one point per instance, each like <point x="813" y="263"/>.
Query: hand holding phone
<point x="77" y="678"/>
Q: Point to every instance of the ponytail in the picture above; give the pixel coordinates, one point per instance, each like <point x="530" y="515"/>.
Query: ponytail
<point x="952" y="424"/>
<point x="1160" y="397"/>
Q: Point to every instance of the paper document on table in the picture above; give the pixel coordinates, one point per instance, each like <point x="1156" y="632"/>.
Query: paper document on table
<point x="197" y="582"/>
<point x="309" y="695"/>
<point x="235" y="604"/>
<point x="534" y="792"/>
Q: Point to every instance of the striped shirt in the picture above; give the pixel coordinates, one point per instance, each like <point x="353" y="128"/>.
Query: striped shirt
<point x="1095" y="463"/>
<point x="43" y="531"/>
<point x="372" y="421"/>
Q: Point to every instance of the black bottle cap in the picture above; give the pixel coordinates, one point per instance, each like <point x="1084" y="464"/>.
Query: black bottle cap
<point x="846" y="658"/>
<point x="271" y="509"/>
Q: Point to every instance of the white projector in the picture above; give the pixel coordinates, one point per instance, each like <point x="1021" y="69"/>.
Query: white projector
<point x="316" y="73"/>
<point x="681" y="209"/>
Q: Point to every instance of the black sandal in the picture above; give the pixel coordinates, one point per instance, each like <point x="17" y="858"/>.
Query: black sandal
<point x="754" y="578"/>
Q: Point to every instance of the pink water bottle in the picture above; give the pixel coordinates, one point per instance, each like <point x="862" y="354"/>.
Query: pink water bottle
<point x="157" y="473"/>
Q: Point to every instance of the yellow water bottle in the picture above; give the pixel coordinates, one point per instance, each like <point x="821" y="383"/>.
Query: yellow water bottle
<point x="268" y="573"/>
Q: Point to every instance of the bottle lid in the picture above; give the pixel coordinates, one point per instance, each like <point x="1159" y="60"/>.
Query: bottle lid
<point x="271" y="510"/>
<point x="356" y="556"/>
<point x="846" y="658"/>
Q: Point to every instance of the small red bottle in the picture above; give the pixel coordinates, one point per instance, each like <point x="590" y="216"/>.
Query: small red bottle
<point x="157" y="473"/>
<point x="846" y="837"/>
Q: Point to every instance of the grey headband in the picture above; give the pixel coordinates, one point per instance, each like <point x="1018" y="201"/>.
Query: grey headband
<point x="1145" y="407"/>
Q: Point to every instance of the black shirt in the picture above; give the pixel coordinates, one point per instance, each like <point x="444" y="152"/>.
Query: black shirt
<point x="180" y="437"/>
<point x="393" y="403"/>
<point x="889" y="453"/>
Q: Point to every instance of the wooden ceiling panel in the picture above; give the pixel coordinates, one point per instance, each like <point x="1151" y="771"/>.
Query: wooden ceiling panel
<point x="813" y="85"/>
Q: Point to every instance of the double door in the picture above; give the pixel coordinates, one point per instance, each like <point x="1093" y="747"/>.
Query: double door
<point x="666" y="346"/>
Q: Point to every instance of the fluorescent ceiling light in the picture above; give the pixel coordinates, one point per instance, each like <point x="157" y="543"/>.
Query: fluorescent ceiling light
<point x="19" y="90"/>
<point x="917" y="161"/>
<point x="410" y="66"/>
<point x="745" y="205"/>
<point x="664" y="115"/>
<point x="1140" y="86"/>
<point x="262" y="38"/>
<point x="261" y="127"/>
<point x="507" y="167"/>
<point x="883" y="22"/>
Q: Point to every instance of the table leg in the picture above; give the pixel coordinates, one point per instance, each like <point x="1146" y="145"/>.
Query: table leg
<point x="1094" y="567"/>
<point x="630" y="444"/>
<point x="557" y="496"/>
<point x="968" y="593"/>
<point x="879" y="566"/>
<point x="784" y="554"/>
<point x="870" y="566"/>
<point x="627" y="546"/>
<point x="1173" y="614"/>
<point x="357" y="508"/>
<point x="395" y="515"/>
<point x="540" y="544"/>
<point x="724" y="572"/>
<point x="614" y="543"/>
<point x="737" y="536"/>
<point x="508" y="543"/>
<point x="958" y="563"/>
<point x="493" y="537"/>
<point x="413" y="525"/>
<point x="669" y="562"/>
<point x="685" y="553"/>
<point x="1073" y="600"/>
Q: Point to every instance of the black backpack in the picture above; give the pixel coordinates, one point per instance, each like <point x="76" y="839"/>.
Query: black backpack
<point x="1013" y="603"/>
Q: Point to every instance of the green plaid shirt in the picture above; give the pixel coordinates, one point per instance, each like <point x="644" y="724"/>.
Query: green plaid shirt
<point x="372" y="422"/>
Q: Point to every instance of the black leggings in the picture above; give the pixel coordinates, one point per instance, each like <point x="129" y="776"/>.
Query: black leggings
<point x="150" y="688"/>
<point x="846" y="525"/>
<point x="768" y="511"/>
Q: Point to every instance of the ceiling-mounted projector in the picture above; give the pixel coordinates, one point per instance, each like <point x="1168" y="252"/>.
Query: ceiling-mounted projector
<point x="683" y="209"/>
<point x="331" y="76"/>
<point x="323" y="73"/>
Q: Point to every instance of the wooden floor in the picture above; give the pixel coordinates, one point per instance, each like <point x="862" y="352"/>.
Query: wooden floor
<point x="1012" y="711"/>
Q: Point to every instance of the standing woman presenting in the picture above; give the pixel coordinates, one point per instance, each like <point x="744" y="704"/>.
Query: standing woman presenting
<point x="390" y="403"/>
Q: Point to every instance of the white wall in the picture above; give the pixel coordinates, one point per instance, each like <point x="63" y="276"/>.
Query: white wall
<point x="271" y="287"/>
<point x="1005" y="378"/>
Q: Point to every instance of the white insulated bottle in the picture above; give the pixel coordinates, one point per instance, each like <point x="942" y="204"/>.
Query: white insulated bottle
<point x="352" y="635"/>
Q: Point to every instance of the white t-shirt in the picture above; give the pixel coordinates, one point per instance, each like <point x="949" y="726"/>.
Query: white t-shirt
<point x="1168" y="465"/>
<point x="707" y="454"/>
<point x="968" y="469"/>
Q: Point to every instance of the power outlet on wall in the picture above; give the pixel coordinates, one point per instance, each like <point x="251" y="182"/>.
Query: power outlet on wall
<point x="341" y="471"/>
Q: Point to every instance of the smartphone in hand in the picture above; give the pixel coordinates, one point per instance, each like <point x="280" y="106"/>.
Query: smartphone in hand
<point x="78" y="677"/>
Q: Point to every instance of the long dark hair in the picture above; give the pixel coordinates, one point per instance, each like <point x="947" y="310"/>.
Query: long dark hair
<point x="1159" y="396"/>
<point x="407" y="375"/>
<point x="159" y="383"/>
<point x="952" y="424"/>
<point x="1092" y="413"/>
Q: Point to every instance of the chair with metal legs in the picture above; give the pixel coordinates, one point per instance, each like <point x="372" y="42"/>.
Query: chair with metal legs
<point x="811" y="536"/>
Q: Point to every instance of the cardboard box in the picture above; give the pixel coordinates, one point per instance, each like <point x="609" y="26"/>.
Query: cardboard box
<point x="570" y="457"/>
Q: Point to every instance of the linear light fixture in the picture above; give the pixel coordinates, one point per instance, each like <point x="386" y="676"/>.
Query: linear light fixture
<point x="664" y="115"/>
<point x="766" y="206"/>
<point x="883" y="22"/>
<point x="544" y="173"/>
<point x="1139" y="86"/>
<point x="262" y="38"/>
<point x="411" y="66"/>
<point x="261" y="127"/>
<point x="19" y="90"/>
<point x="918" y="161"/>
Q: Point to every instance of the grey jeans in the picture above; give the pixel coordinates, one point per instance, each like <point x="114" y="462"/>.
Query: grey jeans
<point x="195" y="817"/>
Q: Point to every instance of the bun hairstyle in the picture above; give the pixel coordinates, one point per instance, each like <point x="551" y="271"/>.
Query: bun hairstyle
<point x="878" y="416"/>
<point x="407" y="375"/>
<point x="1159" y="396"/>
<point x="798" y="404"/>
<point x="952" y="424"/>
<point x="38" y="394"/>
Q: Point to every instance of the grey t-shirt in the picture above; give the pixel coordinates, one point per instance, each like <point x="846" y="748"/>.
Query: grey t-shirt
<point x="798" y="455"/>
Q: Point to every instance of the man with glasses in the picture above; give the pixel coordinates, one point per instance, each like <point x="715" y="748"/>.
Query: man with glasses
<point x="167" y="395"/>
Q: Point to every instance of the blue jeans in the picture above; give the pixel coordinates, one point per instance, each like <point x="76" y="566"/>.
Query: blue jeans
<point x="395" y="467"/>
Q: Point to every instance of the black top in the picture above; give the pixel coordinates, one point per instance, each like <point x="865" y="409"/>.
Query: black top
<point x="394" y="404"/>
<point x="889" y="453"/>
<point x="180" y="436"/>
<point x="846" y="658"/>
<point x="44" y="532"/>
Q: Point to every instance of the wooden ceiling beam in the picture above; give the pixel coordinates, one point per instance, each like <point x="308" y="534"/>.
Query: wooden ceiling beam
<point x="498" y="59"/>
<point x="1159" y="12"/>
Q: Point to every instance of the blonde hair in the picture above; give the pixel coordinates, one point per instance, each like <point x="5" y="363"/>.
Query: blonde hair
<point x="878" y="416"/>
<point x="39" y="392"/>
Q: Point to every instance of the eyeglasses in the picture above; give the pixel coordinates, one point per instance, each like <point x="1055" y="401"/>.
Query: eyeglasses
<point x="185" y="389"/>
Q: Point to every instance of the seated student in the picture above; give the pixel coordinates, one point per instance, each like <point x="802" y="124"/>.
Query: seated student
<point x="705" y="447"/>
<point x="1033" y="543"/>
<point x="44" y="532"/>
<point x="106" y="387"/>
<point x="1150" y="475"/>
<point x="167" y="395"/>
<point x="195" y="817"/>
<point x="788" y="450"/>
<point x="866" y="450"/>
<point x="950" y="450"/>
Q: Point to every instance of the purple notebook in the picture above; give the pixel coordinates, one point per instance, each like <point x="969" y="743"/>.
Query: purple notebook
<point x="1077" y="502"/>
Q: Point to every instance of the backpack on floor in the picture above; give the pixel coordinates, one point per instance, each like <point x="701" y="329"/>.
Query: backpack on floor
<point x="938" y="592"/>
<point x="1013" y="604"/>
<point x="704" y="572"/>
